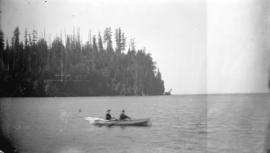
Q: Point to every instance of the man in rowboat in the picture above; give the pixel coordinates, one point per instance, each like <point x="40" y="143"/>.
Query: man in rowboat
<point x="123" y="116"/>
<point x="108" y="115"/>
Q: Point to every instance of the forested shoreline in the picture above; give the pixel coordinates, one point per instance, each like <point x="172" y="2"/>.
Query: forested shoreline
<point x="68" y="67"/>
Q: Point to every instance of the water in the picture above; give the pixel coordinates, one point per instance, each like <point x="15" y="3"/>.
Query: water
<point x="188" y="124"/>
<point x="238" y="123"/>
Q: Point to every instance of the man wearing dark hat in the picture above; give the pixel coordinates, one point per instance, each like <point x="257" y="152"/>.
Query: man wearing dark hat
<point x="108" y="115"/>
<point x="123" y="116"/>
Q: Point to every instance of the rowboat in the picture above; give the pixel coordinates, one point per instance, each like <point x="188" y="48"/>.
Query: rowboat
<point x="131" y="122"/>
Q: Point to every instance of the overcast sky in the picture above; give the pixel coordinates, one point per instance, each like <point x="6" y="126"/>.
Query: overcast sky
<point x="219" y="50"/>
<point x="237" y="46"/>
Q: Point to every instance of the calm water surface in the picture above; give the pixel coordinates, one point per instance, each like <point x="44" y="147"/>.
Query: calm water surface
<point x="188" y="124"/>
<point x="238" y="123"/>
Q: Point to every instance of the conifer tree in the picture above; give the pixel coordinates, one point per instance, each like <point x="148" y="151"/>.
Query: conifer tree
<point x="95" y="68"/>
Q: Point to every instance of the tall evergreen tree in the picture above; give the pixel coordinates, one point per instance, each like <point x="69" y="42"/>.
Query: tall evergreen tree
<point x="2" y="41"/>
<point x="118" y="40"/>
<point x="2" y="45"/>
<point x="16" y="39"/>
<point x="100" y="43"/>
<point x="108" y="39"/>
<point x="95" y="46"/>
<point x="34" y="37"/>
<point x="95" y="68"/>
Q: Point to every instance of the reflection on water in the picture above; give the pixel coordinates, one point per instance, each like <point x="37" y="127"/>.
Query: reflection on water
<point x="189" y="124"/>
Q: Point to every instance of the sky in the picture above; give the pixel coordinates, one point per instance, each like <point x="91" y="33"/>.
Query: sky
<point x="237" y="46"/>
<point x="200" y="46"/>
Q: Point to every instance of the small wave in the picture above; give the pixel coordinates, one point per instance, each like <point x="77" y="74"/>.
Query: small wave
<point x="92" y="120"/>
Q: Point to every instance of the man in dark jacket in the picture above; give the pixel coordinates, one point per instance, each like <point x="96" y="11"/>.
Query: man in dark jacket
<point x="108" y="115"/>
<point x="123" y="116"/>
